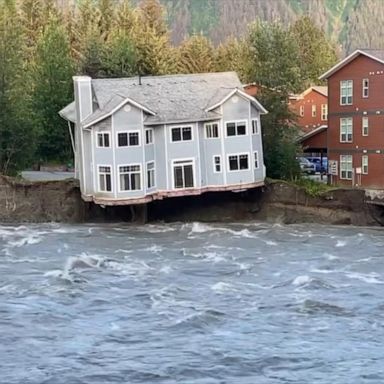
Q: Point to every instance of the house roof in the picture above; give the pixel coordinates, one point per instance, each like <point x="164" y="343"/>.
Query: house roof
<point x="171" y="98"/>
<point x="312" y="133"/>
<point x="323" y="90"/>
<point x="375" y="54"/>
<point x="69" y="112"/>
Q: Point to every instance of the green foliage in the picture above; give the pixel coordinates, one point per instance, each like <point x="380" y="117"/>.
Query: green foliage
<point x="316" y="53"/>
<point x="53" y="90"/>
<point x="204" y="16"/>
<point x="311" y="187"/>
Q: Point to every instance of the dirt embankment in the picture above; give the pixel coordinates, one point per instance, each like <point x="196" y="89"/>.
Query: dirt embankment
<point x="60" y="201"/>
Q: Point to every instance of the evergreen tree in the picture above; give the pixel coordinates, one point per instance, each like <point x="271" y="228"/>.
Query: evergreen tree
<point x="316" y="53"/>
<point x="196" y="55"/>
<point x="106" y="12"/>
<point x="17" y="139"/>
<point x="53" y="90"/>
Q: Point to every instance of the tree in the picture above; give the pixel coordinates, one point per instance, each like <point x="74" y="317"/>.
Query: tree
<point x="17" y="139"/>
<point x="53" y="90"/>
<point x="273" y="55"/>
<point x="316" y="53"/>
<point x="196" y="55"/>
<point x="233" y="55"/>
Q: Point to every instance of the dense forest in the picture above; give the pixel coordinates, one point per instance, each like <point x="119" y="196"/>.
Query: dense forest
<point x="350" y="24"/>
<point x="43" y="43"/>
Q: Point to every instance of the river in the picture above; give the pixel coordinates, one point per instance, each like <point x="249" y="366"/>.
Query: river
<point x="191" y="303"/>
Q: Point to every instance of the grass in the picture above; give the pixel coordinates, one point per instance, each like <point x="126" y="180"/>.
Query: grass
<point x="312" y="187"/>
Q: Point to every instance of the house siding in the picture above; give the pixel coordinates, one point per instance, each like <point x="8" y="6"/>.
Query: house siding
<point x="373" y="107"/>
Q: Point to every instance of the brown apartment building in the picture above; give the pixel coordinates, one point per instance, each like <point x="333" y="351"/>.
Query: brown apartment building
<point x="355" y="138"/>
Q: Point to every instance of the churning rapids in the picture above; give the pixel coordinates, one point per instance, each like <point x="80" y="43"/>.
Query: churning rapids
<point x="191" y="303"/>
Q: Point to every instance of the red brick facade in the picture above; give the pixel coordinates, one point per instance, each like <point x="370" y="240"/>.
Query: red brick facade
<point x="359" y="154"/>
<point x="310" y="108"/>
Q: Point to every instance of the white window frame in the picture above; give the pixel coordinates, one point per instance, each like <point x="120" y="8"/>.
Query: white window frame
<point x="314" y="110"/>
<point x="209" y="125"/>
<point x="236" y="122"/>
<point x="346" y="128"/>
<point x="364" y="164"/>
<point x="301" y="110"/>
<point x="365" y="89"/>
<point x="344" y="168"/>
<point x="214" y="164"/>
<point x="104" y="173"/>
<point x="128" y="133"/>
<point x="150" y="131"/>
<point x="154" y="174"/>
<point x="255" y="127"/>
<point x="181" y="128"/>
<point x="348" y="86"/>
<point x="256" y="160"/>
<point x="324" y="112"/>
<point x="364" y="126"/>
<point x="141" y="177"/>
<point x="238" y="155"/>
<point x="188" y="161"/>
<point x="109" y="139"/>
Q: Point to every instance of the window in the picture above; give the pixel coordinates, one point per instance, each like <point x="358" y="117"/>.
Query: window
<point x="216" y="164"/>
<point x="238" y="162"/>
<point x="150" y="174"/>
<point x="346" y="167"/>
<point x="314" y="110"/>
<point x="183" y="174"/>
<point x="103" y="139"/>
<point x="236" y="128"/>
<point x="149" y="136"/>
<point x="211" y="130"/>
<point x="256" y="159"/>
<point x="364" y="164"/>
<point x="364" y="125"/>
<point x="346" y="130"/>
<point x="255" y="126"/>
<point x="324" y="112"/>
<point x="105" y="184"/>
<point x="182" y="134"/>
<point x="301" y="110"/>
<point x="365" y="88"/>
<point x="125" y="139"/>
<point x="130" y="177"/>
<point x="346" y="91"/>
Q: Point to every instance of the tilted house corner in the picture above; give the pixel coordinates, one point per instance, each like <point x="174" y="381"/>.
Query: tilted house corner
<point x="137" y="140"/>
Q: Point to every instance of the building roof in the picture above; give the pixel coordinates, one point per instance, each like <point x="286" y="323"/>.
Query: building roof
<point x="170" y="98"/>
<point x="323" y="90"/>
<point x="375" y="54"/>
<point x="314" y="132"/>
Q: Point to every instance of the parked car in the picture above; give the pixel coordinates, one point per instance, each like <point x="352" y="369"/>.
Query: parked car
<point x="321" y="165"/>
<point x="306" y="166"/>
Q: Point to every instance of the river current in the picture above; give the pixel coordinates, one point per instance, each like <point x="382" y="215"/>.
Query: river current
<point x="191" y="303"/>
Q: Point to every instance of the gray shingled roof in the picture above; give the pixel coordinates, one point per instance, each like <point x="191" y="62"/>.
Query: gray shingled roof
<point x="378" y="53"/>
<point x="172" y="98"/>
<point x="69" y="112"/>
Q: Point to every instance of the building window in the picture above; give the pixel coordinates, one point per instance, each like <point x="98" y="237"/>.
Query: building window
<point x="181" y="134"/>
<point x="238" y="162"/>
<point x="255" y="126"/>
<point x="346" y="130"/>
<point x="314" y="110"/>
<point x="130" y="177"/>
<point x="324" y="112"/>
<point x="149" y="136"/>
<point x="103" y="139"/>
<point x="183" y="174"/>
<point x="346" y="167"/>
<point x="211" y="130"/>
<point x="302" y="110"/>
<point x="256" y="159"/>
<point x="364" y="125"/>
<point x="217" y="164"/>
<point x="365" y="88"/>
<point x="236" y="128"/>
<point x="151" y="174"/>
<point x="105" y="184"/>
<point x="346" y="91"/>
<point x="125" y="139"/>
<point x="364" y="164"/>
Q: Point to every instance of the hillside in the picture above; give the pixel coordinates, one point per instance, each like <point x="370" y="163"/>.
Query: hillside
<point x="350" y="23"/>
